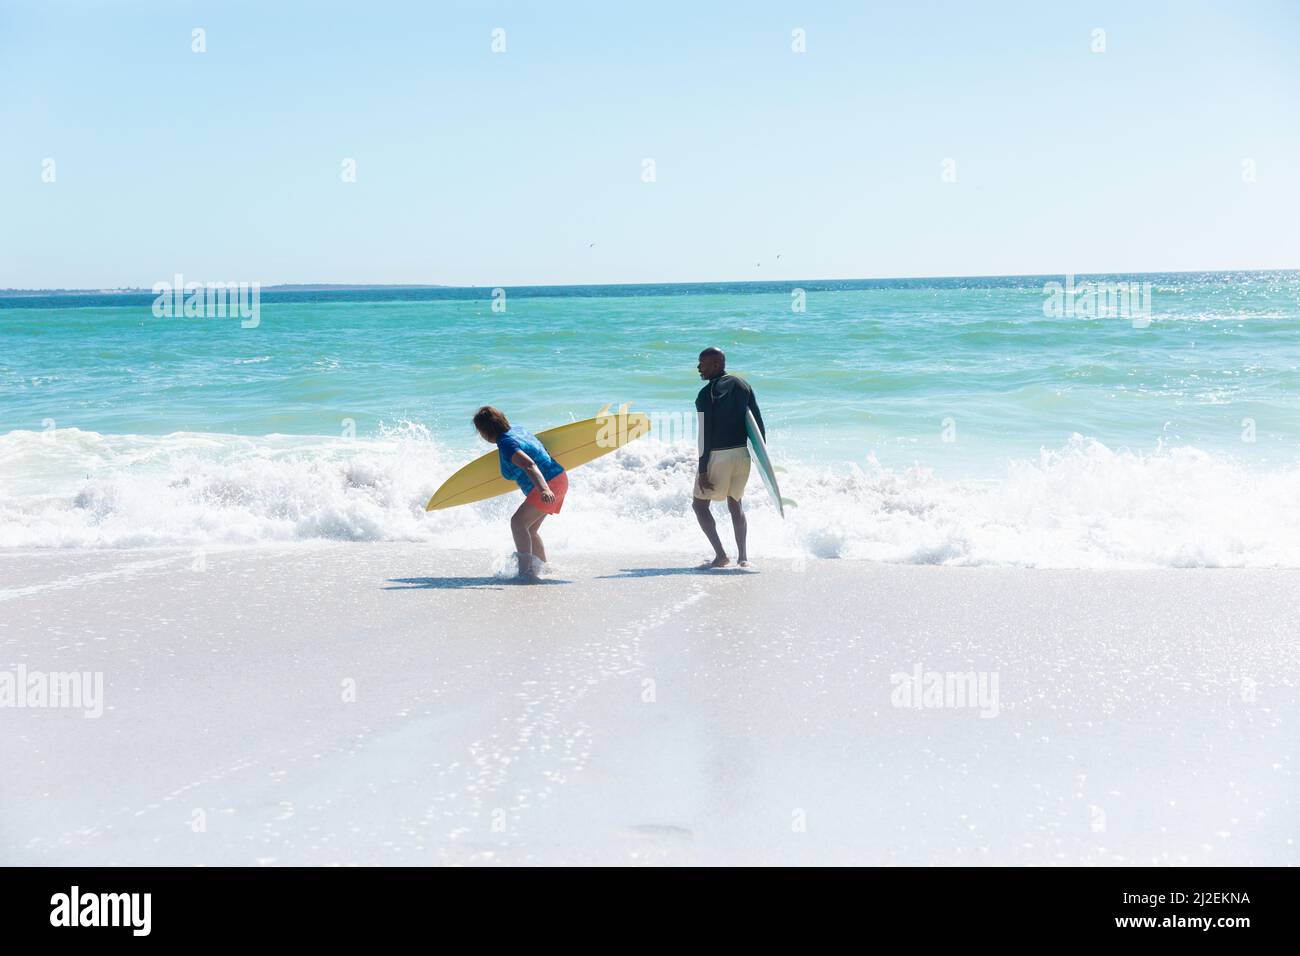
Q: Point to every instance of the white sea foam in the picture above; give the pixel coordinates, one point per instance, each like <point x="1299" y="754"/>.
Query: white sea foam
<point x="1080" y="506"/>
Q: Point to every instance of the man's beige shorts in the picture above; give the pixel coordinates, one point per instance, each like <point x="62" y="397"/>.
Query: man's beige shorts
<point x="728" y="472"/>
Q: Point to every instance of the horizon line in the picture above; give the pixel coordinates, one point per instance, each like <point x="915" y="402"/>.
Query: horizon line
<point x="363" y="286"/>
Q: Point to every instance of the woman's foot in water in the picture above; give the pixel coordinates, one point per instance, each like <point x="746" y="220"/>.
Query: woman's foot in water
<point x="530" y="569"/>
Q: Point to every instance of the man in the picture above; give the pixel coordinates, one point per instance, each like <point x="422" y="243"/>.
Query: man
<point x="724" y="457"/>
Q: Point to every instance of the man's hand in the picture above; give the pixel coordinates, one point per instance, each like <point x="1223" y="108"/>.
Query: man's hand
<point x="705" y="484"/>
<point x="547" y="495"/>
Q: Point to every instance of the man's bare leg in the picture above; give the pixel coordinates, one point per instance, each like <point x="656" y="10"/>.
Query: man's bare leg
<point x="710" y="527"/>
<point x="741" y="527"/>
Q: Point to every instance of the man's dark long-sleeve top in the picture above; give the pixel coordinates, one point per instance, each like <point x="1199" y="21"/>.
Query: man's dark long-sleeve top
<point x="723" y="402"/>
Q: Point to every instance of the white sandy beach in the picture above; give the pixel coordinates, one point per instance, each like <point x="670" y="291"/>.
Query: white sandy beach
<point x="630" y="712"/>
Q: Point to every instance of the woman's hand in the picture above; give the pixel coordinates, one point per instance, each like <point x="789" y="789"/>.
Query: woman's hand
<point x="535" y="475"/>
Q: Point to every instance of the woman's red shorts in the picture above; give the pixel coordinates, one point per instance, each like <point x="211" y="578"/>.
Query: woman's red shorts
<point x="560" y="485"/>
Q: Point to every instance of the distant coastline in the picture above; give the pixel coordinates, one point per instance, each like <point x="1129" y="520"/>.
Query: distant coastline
<point x="284" y="287"/>
<point x="393" y="291"/>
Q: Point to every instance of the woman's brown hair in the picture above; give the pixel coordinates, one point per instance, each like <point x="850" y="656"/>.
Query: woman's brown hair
<point x="491" y="422"/>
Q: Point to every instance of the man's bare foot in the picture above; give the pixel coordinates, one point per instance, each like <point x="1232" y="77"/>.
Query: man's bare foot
<point x="743" y="562"/>
<point x="719" y="562"/>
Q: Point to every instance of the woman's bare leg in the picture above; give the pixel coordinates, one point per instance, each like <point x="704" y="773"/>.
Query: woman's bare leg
<point x="521" y="527"/>
<point x="539" y="549"/>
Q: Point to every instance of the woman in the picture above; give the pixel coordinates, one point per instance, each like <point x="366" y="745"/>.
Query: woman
<point x="540" y="477"/>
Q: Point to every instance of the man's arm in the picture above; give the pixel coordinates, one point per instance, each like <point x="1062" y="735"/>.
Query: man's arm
<point x="705" y="441"/>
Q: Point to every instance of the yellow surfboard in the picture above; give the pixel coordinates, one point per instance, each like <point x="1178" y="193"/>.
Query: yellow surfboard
<point x="571" y="445"/>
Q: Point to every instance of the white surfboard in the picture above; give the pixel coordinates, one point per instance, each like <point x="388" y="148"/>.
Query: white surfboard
<point x="758" y="452"/>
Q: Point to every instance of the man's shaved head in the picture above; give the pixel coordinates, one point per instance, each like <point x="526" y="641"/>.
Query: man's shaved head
<point x="712" y="363"/>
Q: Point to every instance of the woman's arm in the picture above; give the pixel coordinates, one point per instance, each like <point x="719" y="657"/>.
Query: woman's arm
<point x="521" y="460"/>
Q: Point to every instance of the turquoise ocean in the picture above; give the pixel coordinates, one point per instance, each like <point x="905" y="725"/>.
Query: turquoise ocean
<point x="944" y="421"/>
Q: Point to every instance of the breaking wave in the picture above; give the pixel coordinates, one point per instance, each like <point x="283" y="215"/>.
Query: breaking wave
<point x="1081" y="506"/>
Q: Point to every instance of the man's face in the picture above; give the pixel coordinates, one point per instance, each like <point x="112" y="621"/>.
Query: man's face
<point x="709" y="366"/>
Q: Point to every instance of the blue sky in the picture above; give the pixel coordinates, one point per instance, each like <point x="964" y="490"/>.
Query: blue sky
<point x="483" y="168"/>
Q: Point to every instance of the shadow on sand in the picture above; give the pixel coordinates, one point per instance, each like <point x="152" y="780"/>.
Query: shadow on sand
<point x="662" y="572"/>
<point x="481" y="583"/>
